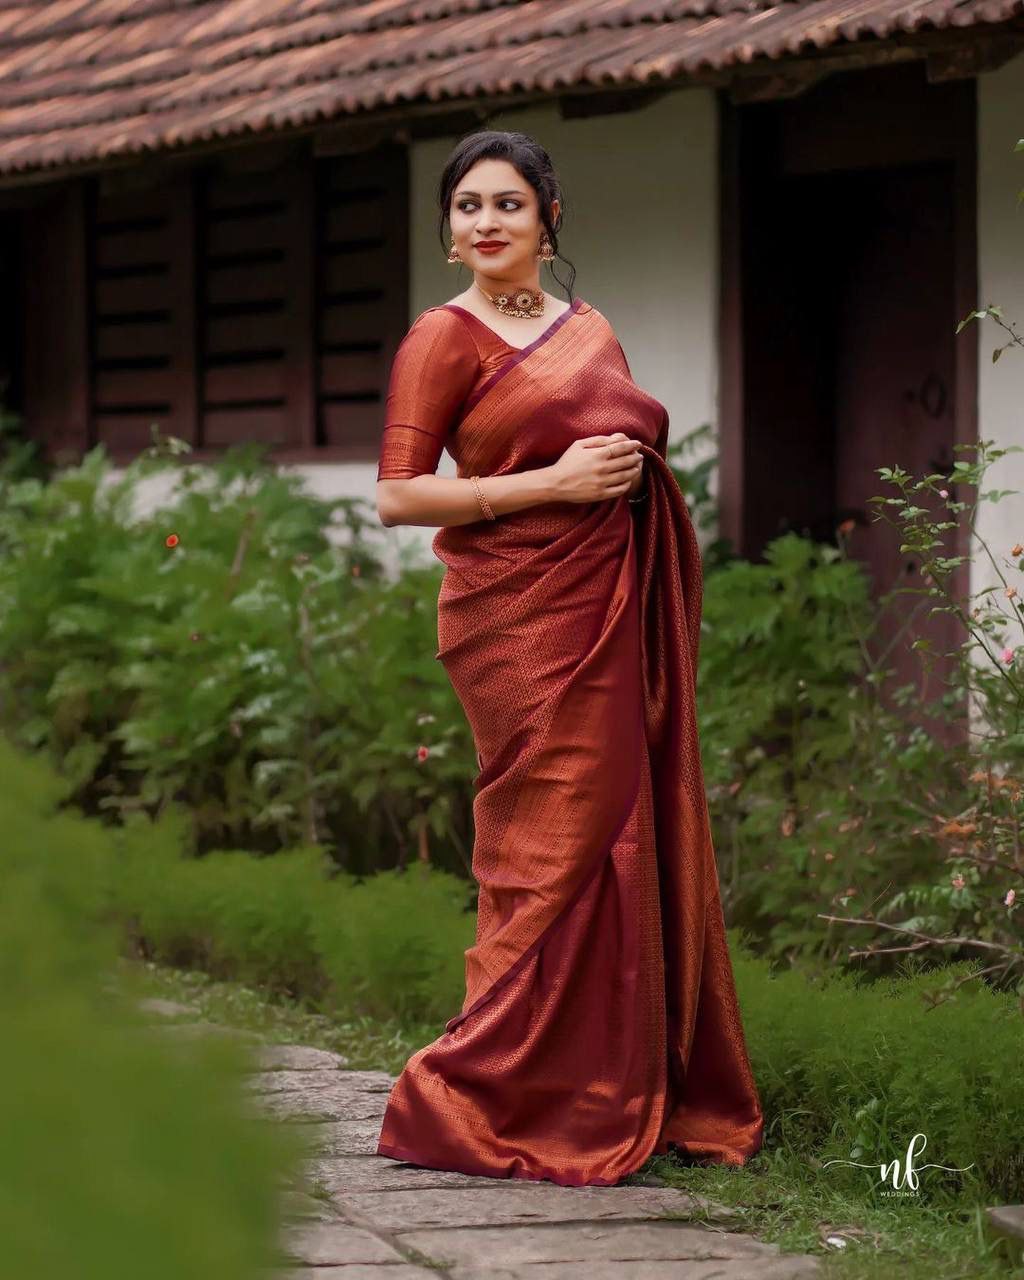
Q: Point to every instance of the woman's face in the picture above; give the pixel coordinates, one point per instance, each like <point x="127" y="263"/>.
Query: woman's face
<point x="494" y="202"/>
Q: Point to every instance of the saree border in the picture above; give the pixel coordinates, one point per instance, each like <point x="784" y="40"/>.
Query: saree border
<point x="477" y="1168"/>
<point x="520" y="353"/>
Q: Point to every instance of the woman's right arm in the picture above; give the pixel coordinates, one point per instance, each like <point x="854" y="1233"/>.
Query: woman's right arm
<point x="580" y="475"/>
<point x="438" y="500"/>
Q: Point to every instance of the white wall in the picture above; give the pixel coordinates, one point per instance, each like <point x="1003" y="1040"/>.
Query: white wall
<point x="1001" y="281"/>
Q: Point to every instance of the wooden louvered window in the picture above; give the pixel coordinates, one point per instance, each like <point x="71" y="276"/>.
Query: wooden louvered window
<point x="141" y="341"/>
<point x="232" y="306"/>
<point x="256" y="279"/>
<point x="362" y="309"/>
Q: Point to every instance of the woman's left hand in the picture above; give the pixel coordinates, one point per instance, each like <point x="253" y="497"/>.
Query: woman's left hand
<point x="637" y="483"/>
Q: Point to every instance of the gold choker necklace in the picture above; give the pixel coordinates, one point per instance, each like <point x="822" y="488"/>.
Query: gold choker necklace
<point x="520" y="302"/>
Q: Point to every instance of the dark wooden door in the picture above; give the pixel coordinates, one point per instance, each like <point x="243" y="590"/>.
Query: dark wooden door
<point x="848" y="260"/>
<point x="894" y="377"/>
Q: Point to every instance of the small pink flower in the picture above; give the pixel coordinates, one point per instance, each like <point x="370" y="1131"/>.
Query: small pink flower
<point x="957" y="881"/>
<point x="422" y="753"/>
<point x="1011" y="898"/>
<point x="1006" y="655"/>
<point x="943" y="493"/>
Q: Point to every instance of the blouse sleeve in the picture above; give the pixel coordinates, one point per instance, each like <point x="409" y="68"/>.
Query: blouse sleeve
<point x="432" y="374"/>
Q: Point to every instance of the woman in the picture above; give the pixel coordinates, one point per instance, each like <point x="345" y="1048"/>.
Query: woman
<point x="600" y="1022"/>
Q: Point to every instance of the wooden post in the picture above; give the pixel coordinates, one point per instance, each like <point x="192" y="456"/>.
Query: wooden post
<point x="58" y="411"/>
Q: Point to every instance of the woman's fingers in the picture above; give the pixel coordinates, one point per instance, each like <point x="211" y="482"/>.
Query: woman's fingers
<point x="619" y="441"/>
<point x="627" y="461"/>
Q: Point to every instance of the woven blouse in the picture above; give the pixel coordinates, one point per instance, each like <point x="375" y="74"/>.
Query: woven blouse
<point x="447" y="353"/>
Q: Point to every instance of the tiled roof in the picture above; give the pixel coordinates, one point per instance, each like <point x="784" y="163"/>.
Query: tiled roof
<point x="86" y="80"/>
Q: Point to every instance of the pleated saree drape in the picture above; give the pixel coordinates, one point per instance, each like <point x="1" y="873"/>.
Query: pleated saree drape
<point x="600" y="1021"/>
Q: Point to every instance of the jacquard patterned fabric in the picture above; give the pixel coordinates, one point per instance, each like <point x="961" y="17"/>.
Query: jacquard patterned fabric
<point x="600" y="1022"/>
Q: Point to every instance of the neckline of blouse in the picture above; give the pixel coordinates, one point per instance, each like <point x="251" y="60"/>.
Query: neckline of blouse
<point x="558" y="320"/>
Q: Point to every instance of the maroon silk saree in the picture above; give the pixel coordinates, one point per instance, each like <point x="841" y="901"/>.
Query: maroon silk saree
<point x="600" y="1022"/>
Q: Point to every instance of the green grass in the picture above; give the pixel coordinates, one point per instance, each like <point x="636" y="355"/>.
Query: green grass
<point x="368" y="1044"/>
<point x="783" y="1198"/>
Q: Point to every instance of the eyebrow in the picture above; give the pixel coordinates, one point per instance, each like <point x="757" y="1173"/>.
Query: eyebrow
<point x="497" y="193"/>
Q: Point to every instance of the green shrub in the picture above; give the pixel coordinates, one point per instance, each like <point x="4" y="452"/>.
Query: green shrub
<point x="119" y="1151"/>
<point x="390" y="946"/>
<point x="232" y="914"/>
<point x="393" y="946"/>
<point x="852" y="1069"/>
<point x="816" y="790"/>
<point x="263" y="670"/>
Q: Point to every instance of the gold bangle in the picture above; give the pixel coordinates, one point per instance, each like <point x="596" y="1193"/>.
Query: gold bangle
<point x="485" y="506"/>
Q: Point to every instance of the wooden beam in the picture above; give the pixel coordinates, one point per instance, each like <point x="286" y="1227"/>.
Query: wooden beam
<point x="970" y="59"/>
<point x="183" y="420"/>
<point x="964" y="142"/>
<point x="300" y="307"/>
<point x="777" y="84"/>
<point x="608" y="102"/>
<point x="730" y="425"/>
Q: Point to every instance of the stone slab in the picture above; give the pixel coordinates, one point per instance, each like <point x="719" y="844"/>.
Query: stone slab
<point x="618" y="1243"/>
<point x="513" y="1200"/>
<point x="298" y="1057"/>
<point x="166" y="1008"/>
<point x="319" y="1106"/>
<point x="785" y="1267"/>
<point x="343" y="1176"/>
<point x="1007" y="1220"/>
<point x="324" y="1095"/>
<point x="285" y="1079"/>
<point x="302" y="1205"/>
<point x="338" y="1138"/>
<point x="336" y="1244"/>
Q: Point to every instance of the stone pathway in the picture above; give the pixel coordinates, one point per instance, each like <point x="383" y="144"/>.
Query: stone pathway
<point x="382" y="1219"/>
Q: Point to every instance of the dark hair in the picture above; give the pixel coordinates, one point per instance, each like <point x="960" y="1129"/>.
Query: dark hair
<point x="525" y="154"/>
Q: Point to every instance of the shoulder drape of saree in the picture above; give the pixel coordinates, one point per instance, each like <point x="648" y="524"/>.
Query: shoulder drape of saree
<point x="600" y="1022"/>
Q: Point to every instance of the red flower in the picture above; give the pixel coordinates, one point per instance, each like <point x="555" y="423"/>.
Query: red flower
<point x="171" y="540"/>
<point x="422" y="753"/>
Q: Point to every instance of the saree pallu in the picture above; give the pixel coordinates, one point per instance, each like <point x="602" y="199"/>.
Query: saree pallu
<point x="600" y="1022"/>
